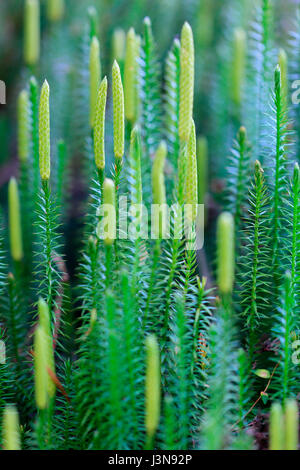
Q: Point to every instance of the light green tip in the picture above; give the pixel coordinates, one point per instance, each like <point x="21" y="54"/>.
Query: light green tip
<point x="99" y="128"/>
<point x="40" y="368"/>
<point x="153" y="385"/>
<point x="276" y="431"/>
<point x="32" y="32"/>
<point x="191" y="177"/>
<point x="44" y="132"/>
<point x="95" y="77"/>
<point x="11" y="429"/>
<point x="15" y="230"/>
<point x="55" y="9"/>
<point x="45" y="324"/>
<point x="187" y="72"/>
<point x="118" y="108"/>
<point x="23" y="126"/>
<point x="225" y="251"/>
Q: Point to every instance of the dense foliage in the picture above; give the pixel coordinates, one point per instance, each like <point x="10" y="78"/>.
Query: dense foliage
<point x="147" y="342"/>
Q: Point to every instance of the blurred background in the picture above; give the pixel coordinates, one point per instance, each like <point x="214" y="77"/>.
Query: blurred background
<point x="64" y="64"/>
<point x="213" y="23"/>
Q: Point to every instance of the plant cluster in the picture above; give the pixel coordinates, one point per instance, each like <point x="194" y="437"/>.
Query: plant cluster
<point x="142" y="342"/>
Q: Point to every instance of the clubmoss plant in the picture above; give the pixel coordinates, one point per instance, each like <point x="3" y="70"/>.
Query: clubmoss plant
<point x="131" y="76"/>
<point x="186" y="83"/>
<point x="85" y="285"/>
<point x="118" y="103"/>
<point x="99" y="129"/>
<point x="119" y="122"/>
<point x="44" y="132"/>
<point x="46" y="222"/>
<point x="254" y="264"/>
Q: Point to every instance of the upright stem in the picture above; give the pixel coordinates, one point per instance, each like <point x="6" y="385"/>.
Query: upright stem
<point x="108" y="265"/>
<point x="157" y="251"/>
<point x="48" y="248"/>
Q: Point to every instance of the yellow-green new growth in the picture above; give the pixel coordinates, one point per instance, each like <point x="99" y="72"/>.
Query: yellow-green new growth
<point x="109" y="202"/>
<point x="118" y="107"/>
<point x="99" y="128"/>
<point x="238" y="65"/>
<point x="11" y="429"/>
<point x="32" y="32"/>
<point x="159" y="190"/>
<point x="23" y="126"/>
<point x="291" y="425"/>
<point x="276" y="431"/>
<point x="130" y="76"/>
<point x="44" y="132"/>
<point x="55" y="9"/>
<point x="191" y="177"/>
<point x="225" y="251"/>
<point x="95" y="77"/>
<point x="187" y="72"/>
<point x="40" y="368"/>
<point x="45" y="324"/>
<point x="15" y="230"/>
<point x="153" y="386"/>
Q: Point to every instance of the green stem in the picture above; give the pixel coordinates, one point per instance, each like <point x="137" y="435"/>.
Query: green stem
<point x="153" y="276"/>
<point x="108" y="265"/>
<point x="48" y="248"/>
